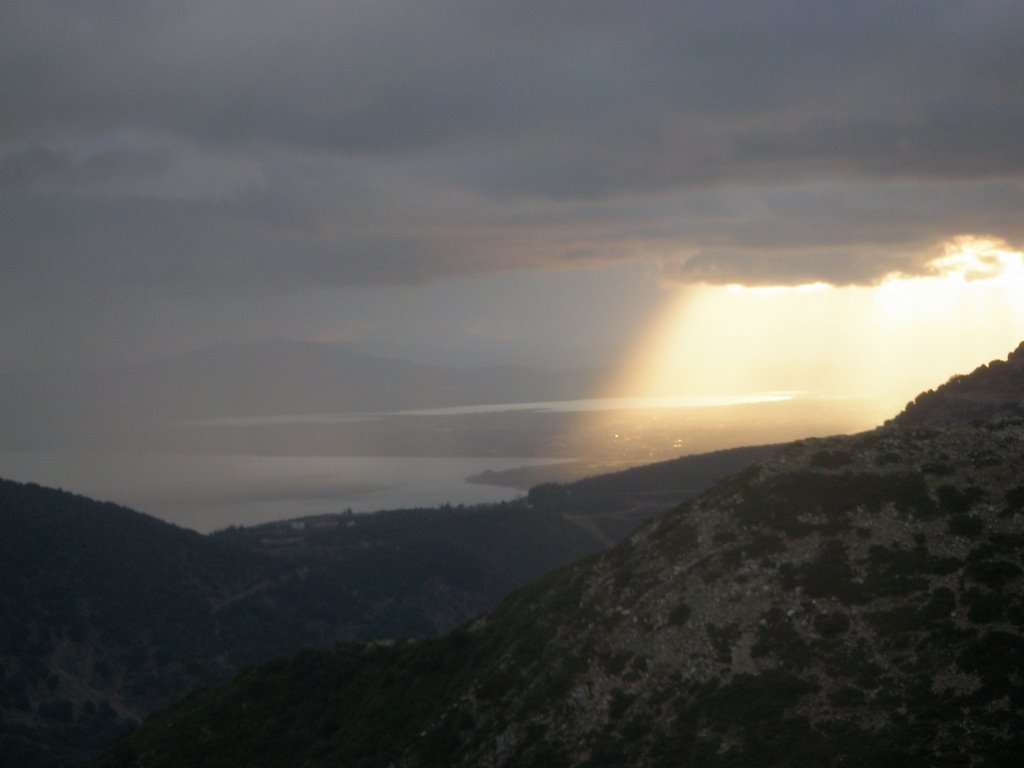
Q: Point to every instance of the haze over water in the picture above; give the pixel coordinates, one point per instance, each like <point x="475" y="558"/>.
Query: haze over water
<point x="212" y="481"/>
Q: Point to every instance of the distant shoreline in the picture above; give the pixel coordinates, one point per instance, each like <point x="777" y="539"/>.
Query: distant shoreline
<point x="526" y="477"/>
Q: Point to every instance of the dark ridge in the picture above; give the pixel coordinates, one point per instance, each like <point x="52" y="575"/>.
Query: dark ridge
<point x="992" y="391"/>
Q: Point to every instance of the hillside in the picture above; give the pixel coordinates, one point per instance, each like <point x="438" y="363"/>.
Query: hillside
<point x="107" y="614"/>
<point x="846" y="601"/>
<point x="102" y="612"/>
<point x="991" y="391"/>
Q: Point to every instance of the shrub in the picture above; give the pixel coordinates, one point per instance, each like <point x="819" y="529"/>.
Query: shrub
<point x="831" y="459"/>
<point x="965" y="525"/>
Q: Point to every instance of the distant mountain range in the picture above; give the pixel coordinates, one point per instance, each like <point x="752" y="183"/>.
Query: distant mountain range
<point x="89" y="405"/>
<point x="844" y="601"/>
<point x="107" y="614"/>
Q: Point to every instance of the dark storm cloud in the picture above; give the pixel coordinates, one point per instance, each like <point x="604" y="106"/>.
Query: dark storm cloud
<point x="679" y="93"/>
<point x="234" y="145"/>
<point x="779" y="267"/>
<point x="42" y="167"/>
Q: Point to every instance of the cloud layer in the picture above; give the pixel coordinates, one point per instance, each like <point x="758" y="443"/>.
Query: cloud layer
<point x="251" y="147"/>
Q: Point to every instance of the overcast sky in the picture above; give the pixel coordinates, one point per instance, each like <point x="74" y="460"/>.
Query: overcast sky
<point x="517" y="177"/>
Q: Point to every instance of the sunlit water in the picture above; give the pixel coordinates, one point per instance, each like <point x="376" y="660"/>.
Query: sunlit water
<point x="583" y="405"/>
<point x="207" y="485"/>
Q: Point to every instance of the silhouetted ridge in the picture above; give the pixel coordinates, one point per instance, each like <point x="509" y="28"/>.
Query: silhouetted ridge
<point x="992" y="391"/>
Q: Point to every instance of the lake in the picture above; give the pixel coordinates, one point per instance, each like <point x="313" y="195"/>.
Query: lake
<point x="211" y="473"/>
<point x="206" y="493"/>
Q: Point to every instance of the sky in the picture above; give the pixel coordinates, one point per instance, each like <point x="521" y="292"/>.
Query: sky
<point x="549" y="183"/>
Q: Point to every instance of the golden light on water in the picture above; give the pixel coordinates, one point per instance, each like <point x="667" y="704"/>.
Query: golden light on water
<point x="882" y="343"/>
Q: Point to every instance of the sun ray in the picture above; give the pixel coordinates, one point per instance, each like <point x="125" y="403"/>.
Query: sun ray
<point x="884" y="342"/>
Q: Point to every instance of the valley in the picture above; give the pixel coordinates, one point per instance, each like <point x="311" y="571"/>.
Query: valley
<point x="108" y="614"/>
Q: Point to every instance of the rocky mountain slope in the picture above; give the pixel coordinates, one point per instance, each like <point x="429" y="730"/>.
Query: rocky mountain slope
<point x="847" y="601"/>
<point x="107" y="614"/>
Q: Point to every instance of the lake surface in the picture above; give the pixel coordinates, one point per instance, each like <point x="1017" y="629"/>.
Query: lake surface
<point x="211" y="473"/>
<point x="211" y="492"/>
